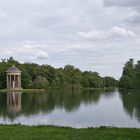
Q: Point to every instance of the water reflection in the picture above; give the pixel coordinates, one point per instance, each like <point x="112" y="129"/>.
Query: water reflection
<point x="14" y="102"/>
<point x="77" y="107"/>
<point x="131" y="102"/>
<point x="67" y="99"/>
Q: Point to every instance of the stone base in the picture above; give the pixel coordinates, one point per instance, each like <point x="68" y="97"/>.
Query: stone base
<point x="22" y="90"/>
<point x="14" y="89"/>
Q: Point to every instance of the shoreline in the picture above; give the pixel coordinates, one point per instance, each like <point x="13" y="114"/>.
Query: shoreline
<point x="22" y="90"/>
<point x="51" y="88"/>
<point x="62" y="88"/>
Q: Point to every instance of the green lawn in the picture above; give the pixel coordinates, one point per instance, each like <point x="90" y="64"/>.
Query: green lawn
<point x="20" y="132"/>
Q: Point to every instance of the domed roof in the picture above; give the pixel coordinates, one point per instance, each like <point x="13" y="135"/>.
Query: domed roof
<point x="13" y="69"/>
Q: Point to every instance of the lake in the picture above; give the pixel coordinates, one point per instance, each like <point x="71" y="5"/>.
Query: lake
<point x="74" y="108"/>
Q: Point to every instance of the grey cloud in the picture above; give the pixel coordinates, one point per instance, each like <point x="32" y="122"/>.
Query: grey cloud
<point x="133" y="20"/>
<point x="127" y="3"/>
<point x="134" y="17"/>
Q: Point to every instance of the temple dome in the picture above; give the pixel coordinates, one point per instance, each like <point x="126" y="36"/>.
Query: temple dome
<point x="13" y="69"/>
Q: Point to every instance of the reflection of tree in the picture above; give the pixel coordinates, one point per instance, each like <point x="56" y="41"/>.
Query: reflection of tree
<point x="32" y="103"/>
<point x="68" y="99"/>
<point x="3" y="103"/>
<point x="131" y="102"/>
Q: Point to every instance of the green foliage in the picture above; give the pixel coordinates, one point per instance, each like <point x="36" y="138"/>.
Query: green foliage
<point x="125" y="82"/>
<point x="93" y="80"/>
<point x="137" y="75"/>
<point x="131" y="75"/>
<point x="44" y="76"/>
<point x="41" y="82"/>
<point x="73" y="76"/>
<point x="110" y="82"/>
<point x="26" y="79"/>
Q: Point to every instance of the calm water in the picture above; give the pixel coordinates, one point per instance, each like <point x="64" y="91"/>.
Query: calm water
<point x="80" y="108"/>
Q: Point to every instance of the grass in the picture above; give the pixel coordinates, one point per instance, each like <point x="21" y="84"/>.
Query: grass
<point x="21" y="132"/>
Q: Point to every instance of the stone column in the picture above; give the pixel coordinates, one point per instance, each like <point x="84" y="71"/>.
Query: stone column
<point x="10" y="82"/>
<point x="14" y="82"/>
<point x="20" y="81"/>
<point x="7" y="81"/>
<point x="17" y="81"/>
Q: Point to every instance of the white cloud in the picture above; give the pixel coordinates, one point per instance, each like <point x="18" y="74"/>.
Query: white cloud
<point x="114" y="32"/>
<point x="9" y="52"/>
<point x="26" y="48"/>
<point x="32" y="47"/>
<point x="42" y="55"/>
<point x="63" y="50"/>
<point x="92" y="35"/>
<point x="122" y="32"/>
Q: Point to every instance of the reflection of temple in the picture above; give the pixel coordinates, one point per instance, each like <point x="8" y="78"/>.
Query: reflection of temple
<point x="14" y="102"/>
<point x="13" y="78"/>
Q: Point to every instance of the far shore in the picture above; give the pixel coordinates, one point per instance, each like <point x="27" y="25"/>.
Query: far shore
<point x="59" y="88"/>
<point x="50" y="88"/>
<point x="22" y="90"/>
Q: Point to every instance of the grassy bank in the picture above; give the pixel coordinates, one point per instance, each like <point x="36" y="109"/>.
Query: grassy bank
<point x="20" y="132"/>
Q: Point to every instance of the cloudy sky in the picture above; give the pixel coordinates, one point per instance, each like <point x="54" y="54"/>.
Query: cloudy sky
<point x="96" y="35"/>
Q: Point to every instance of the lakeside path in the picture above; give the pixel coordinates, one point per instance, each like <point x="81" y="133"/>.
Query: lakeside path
<point x="21" y="132"/>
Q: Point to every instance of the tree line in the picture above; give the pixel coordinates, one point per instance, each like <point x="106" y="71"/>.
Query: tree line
<point x="130" y="78"/>
<point x="46" y="76"/>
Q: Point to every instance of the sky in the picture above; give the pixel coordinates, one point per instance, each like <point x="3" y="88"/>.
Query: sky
<point x="93" y="35"/>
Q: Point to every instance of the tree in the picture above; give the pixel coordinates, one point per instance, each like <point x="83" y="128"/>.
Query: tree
<point x="126" y="81"/>
<point x="91" y="80"/>
<point x="73" y="76"/>
<point x="110" y="82"/>
<point x="40" y="82"/>
<point x="136" y="81"/>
